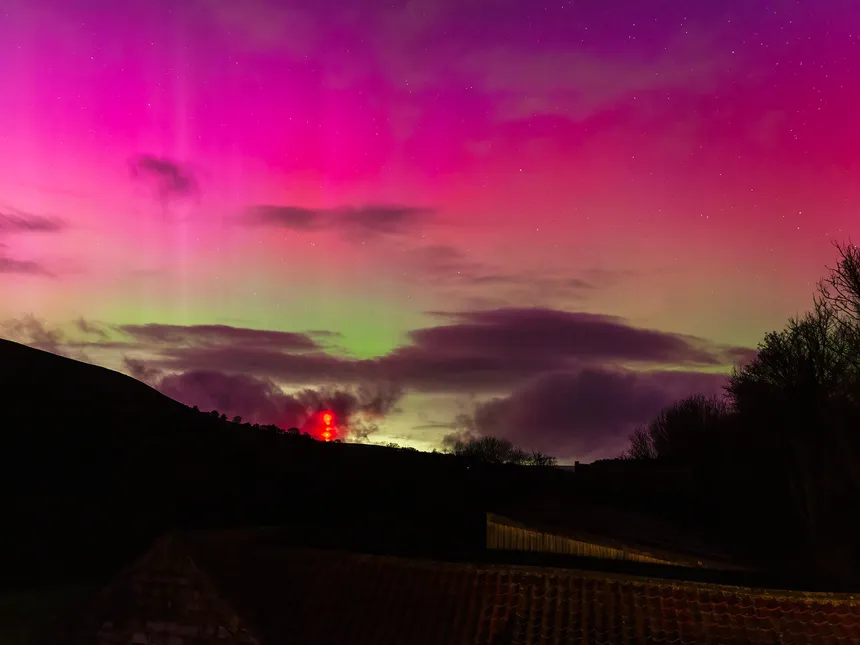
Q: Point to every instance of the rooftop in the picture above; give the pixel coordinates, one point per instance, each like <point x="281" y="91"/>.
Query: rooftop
<point x="290" y="595"/>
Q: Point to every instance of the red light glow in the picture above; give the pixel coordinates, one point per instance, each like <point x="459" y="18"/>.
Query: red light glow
<point x="325" y="428"/>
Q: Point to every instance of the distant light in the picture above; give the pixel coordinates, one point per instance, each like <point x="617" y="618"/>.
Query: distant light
<point x="327" y="418"/>
<point x="326" y="435"/>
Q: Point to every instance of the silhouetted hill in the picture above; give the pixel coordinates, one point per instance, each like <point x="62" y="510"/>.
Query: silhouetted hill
<point x="97" y="464"/>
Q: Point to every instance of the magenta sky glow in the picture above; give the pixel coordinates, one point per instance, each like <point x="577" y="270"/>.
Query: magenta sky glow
<point x="510" y="209"/>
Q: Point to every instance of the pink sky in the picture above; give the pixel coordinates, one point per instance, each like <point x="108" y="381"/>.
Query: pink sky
<point x="682" y="169"/>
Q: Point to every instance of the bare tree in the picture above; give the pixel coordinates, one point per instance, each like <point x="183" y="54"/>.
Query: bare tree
<point x="841" y="288"/>
<point x="540" y="459"/>
<point x="492" y="450"/>
<point x="641" y="446"/>
<point x="799" y="401"/>
<point x="680" y="431"/>
<point x="839" y="294"/>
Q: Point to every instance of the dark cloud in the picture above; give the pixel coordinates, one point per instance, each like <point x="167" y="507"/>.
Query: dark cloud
<point x="557" y="336"/>
<point x="449" y="267"/>
<point x="168" y="178"/>
<point x="477" y="352"/>
<point x="323" y="333"/>
<point x="213" y="335"/>
<point x="141" y="371"/>
<point x="22" y="222"/>
<point x="89" y="328"/>
<point x="13" y="221"/>
<point x="449" y="264"/>
<point x="358" y="222"/>
<point x="258" y="400"/>
<point x="383" y="219"/>
<point x="31" y="331"/>
<point x="576" y="414"/>
<point x="291" y="217"/>
<point x="22" y="267"/>
<point x="255" y="399"/>
<point x="285" y="367"/>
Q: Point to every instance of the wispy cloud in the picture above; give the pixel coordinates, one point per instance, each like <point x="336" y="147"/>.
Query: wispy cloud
<point x="356" y="221"/>
<point x="22" y="267"/>
<point x="214" y="335"/>
<point x="89" y="328"/>
<point x="34" y="332"/>
<point x="447" y="266"/>
<point x="168" y="178"/>
<point x="15" y="221"/>
<point x="577" y="413"/>
<point x="481" y="351"/>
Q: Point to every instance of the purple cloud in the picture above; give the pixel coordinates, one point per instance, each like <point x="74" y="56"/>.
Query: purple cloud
<point x="169" y="179"/>
<point x="557" y="336"/>
<point x="140" y="370"/>
<point x="23" y="267"/>
<point x="448" y="266"/>
<point x="359" y="222"/>
<point x="578" y="414"/>
<point x="488" y="351"/>
<point x="210" y="335"/>
<point x="89" y="328"/>
<point x="21" y="222"/>
<point x="259" y="400"/>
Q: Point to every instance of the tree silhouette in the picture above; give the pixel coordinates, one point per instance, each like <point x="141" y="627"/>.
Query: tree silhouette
<point x="681" y="431"/>
<point x="540" y="459"/>
<point x="840" y="293"/>
<point x="797" y="401"/>
<point x="492" y="450"/>
<point x="784" y="447"/>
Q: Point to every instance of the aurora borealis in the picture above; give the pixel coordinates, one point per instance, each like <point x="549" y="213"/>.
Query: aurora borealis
<point x="539" y="220"/>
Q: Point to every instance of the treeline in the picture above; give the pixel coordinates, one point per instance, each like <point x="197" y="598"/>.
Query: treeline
<point x="478" y="449"/>
<point x="778" y="456"/>
<point x="261" y="428"/>
<point x="492" y="450"/>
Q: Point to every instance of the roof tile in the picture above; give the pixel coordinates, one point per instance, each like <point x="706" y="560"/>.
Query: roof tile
<point x="318" y="597"/>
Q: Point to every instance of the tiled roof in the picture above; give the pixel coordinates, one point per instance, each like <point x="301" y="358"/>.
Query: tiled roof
<point x="316" y="597"/>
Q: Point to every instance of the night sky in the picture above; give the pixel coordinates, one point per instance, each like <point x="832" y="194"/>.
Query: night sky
<point x="543" y="221"/>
